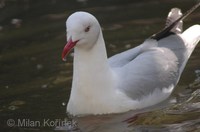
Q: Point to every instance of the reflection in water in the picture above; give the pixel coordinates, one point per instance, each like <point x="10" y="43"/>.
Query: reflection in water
<point x="35" y="83"/>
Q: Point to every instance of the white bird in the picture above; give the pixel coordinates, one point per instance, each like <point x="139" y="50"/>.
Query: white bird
<point x="134" y="79"/>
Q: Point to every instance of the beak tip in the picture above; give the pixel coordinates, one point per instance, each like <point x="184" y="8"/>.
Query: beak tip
<point x="70" y="45"/>
<point x="64" y="59"/>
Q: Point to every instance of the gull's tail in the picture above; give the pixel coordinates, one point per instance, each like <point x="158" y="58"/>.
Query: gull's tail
<point x="173" y="15"/>
<point x="169" y="29"/>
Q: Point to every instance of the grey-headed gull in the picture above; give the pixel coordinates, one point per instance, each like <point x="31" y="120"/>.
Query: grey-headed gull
<point x="134" y="79"/>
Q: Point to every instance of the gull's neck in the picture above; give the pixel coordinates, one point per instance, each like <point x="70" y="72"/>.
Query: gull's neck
<point x="91" y="66"/>
<point x="92" y="78"/>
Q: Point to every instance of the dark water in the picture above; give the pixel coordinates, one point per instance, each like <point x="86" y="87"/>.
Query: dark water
<point x="35" y="83"/>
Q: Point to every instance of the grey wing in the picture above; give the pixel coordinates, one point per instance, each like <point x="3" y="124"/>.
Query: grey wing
<point x="154" y="68"/>
<point x="123" y="58"/>
<point x="142" y="70"/>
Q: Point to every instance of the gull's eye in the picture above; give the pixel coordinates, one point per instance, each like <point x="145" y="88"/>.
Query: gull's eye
<point x="87" y="29"/>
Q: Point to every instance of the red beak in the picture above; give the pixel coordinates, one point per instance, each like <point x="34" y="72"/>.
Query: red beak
<point x="70" y="45"/>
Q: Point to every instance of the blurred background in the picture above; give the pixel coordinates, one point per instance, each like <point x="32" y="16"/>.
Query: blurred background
<point x="35" y="83"/>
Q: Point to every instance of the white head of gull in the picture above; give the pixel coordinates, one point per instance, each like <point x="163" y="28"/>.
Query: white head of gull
<point x="134" y="79"/>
